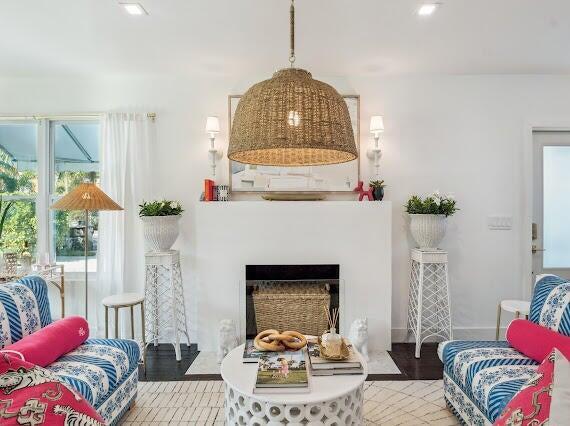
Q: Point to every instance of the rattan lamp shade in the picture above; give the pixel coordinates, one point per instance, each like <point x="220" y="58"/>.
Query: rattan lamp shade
<point x="292" y="120"/>
<point x="86" y="196"/>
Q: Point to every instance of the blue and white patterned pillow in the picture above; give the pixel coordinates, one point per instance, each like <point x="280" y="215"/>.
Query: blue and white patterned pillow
<point x="24" y="309"/>
<point x="550" y="306"/>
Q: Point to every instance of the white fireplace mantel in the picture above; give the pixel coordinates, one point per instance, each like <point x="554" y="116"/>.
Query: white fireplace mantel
<point x="355" y="235"/>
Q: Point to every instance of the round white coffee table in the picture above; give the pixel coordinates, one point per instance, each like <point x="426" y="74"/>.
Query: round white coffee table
<point x="332" y="400"/>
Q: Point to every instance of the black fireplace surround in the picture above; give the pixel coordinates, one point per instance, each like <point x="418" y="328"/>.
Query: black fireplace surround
<point x="309" y="274"/>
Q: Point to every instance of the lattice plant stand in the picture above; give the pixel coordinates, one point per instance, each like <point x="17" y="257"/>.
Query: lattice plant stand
<point x="429" y="311"/>
<point x="164" y="299"/>
<point x="241" y="409"/>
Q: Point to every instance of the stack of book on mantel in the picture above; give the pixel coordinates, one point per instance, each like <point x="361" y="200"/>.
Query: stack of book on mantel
<point x="325" y="367"/>
<point x="282" y="372"/>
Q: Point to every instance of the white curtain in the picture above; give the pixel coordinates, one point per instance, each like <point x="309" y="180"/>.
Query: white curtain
<point x="126" y="142"/>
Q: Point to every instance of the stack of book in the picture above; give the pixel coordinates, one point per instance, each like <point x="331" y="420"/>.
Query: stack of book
<point x="282" y="372"/>
<point x="250" y="353"/>
<point x="325" y="367"/>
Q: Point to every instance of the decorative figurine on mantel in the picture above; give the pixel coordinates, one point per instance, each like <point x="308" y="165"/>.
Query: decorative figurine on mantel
<point x="362" y="193"/>
<point x="228" y="338"/>
<point x="359" y="336"/>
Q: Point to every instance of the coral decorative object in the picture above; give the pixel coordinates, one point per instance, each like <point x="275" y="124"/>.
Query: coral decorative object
<point x="364" y="193"/>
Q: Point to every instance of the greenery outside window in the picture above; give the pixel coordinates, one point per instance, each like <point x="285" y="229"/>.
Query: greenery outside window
<point x="18" y="187"/>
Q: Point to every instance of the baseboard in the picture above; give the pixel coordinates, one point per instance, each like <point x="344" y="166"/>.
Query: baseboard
<point x="400" y="335"/>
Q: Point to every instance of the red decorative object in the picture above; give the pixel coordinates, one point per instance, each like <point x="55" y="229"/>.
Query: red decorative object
<point x="208" y="190"/>
<point x="362" y="193"/>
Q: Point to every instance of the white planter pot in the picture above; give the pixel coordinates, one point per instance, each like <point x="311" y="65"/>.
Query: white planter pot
<point x="428" y="229"/>
<point x="160" y="232"/>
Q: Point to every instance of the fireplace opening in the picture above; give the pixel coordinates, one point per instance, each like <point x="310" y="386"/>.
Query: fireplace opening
<point x="290" y="297"/>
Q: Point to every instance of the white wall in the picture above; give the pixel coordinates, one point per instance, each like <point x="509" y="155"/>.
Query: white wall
<point x="462" y="134"/>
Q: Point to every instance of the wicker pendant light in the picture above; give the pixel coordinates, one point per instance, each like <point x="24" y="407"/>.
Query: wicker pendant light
<point x="292" y="120"/>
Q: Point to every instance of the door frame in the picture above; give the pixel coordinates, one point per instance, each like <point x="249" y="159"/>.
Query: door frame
<point x="527" y="199"/>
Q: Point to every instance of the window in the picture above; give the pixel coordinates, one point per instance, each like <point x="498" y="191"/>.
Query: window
<point x="74" y="148"/>
<point x="556" y="181"/>
<point x="18" y="187"/>
<point x="41" y="160"/>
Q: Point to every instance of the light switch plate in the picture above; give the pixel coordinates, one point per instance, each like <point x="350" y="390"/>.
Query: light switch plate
<point x="500" y="223"/>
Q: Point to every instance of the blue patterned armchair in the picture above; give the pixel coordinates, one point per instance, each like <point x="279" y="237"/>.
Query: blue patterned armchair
<point x="104" y="371"/>
<point x="481" y="377"/>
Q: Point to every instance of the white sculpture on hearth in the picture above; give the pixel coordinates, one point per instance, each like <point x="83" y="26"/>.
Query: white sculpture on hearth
<point x="227" y="338"/>
<point x="359" y="336"/>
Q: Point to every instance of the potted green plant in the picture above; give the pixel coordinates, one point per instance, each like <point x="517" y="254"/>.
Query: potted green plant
<point x="429" y="218"/>
<point x="160" y="219"/>
<point x="377" y="189"/>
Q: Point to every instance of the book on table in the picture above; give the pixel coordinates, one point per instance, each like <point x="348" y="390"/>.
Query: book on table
<point x="282" y="372"/>
<point x="250" y="353"/>
<point x="326" y="367"/>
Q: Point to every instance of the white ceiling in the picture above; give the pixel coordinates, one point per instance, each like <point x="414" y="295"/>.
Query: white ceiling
<point x="334" y="37"/>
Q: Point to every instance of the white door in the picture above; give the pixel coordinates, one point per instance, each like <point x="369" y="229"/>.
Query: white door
<point x="551" y="204"/>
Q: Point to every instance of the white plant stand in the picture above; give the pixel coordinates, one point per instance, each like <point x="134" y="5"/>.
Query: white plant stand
<point x="332" y="400"/>
<point x="429" y="310"/>
<point x="164" y="299"/>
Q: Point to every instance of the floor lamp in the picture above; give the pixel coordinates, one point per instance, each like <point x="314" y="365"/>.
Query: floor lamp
<point x="88" y="197"/>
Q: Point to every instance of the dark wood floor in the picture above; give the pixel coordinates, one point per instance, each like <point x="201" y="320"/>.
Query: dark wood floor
<point x="161" y="364"/>
<point x="428" y="367"/>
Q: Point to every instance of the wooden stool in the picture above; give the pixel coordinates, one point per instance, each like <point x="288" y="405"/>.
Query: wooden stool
<point x="518" y="307"/>
<point x="125" y="300"/>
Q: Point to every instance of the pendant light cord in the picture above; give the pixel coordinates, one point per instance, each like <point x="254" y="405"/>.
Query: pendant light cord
<point x="292" y="33"/>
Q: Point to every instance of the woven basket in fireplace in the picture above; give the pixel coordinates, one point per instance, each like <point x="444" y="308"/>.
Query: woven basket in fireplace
<point x="292" y="306"/>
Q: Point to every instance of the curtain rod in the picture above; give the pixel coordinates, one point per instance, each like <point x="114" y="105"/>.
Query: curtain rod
<point x="151" y="115"/>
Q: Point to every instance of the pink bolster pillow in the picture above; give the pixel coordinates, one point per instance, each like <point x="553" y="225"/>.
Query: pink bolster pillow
<point x="536" y="341"/>
<point x="51" y="342"/>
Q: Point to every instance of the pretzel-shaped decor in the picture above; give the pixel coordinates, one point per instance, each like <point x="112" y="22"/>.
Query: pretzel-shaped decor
<point x="274" y="341"/>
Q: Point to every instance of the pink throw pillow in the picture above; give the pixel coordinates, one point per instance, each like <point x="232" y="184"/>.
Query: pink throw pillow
<point x="51" y="342"/>
<point x="531" y="405"/>
<point x="536" y="341"/>
<point x="31" y="395"/>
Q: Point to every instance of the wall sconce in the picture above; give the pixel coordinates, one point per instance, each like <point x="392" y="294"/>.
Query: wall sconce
<point x="376" y="128"/>
<point x="212" y="129"/>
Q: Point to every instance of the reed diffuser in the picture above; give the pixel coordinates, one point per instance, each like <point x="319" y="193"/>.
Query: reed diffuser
<point x="332" y="341"/>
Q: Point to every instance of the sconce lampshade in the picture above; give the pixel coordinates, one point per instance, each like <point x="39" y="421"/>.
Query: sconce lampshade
<point x="376" y="124"/>
<point x="212" y="124"/>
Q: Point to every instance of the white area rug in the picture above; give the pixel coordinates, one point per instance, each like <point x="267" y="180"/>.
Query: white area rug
<point x="406" y="403"/>
<point x="380" y="363"/>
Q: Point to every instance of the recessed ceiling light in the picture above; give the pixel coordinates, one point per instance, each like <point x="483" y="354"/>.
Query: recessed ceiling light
<point x="427" y="9"/>
<point x="134" y="9"/>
